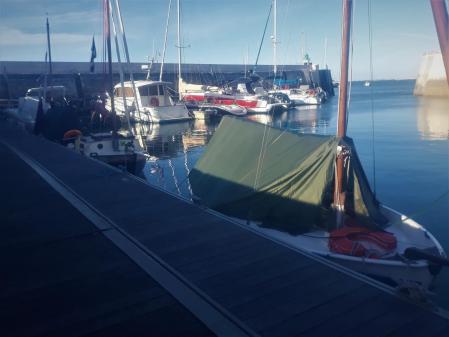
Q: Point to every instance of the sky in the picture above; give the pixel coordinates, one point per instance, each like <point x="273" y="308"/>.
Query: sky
<point x="228" y="32"/>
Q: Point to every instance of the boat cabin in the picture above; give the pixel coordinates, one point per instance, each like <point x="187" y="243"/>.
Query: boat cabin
<point x="55" y="92"/>
<point x="149" y="93"/>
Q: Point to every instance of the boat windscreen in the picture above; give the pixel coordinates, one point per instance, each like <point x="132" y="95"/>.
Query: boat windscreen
<point x="148" y="90"/>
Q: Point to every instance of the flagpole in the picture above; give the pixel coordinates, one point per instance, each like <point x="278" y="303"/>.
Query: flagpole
<point x="93" y="55"/>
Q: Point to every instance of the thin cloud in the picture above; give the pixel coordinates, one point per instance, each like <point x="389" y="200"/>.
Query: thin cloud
<point x="416" y="36"/>
<point x="10" y="37"/>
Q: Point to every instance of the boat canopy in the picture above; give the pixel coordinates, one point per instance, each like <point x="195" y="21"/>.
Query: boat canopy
<point x="279" y="179"/>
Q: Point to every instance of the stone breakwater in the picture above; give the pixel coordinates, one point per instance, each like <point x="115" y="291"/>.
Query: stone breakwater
<point x="431" y="80"/>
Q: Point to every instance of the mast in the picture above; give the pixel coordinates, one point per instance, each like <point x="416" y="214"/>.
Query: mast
<point x="128" y="62"/>
<point x="274" y="37"/>
<point x="111" y="84"/>
<point x="50" y="69"/>
<point x="179" y="48"/>
<point x="165" y="41"/>
<point x="339" y="194"/>
<point x="119" y="60"/>
<point x="440" y="17"/>
<point x="325" y="53"/>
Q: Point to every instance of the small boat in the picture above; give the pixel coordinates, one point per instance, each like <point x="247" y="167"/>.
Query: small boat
<point x="118" y="148"/>
<point x="239" y="94"/>
<point x="293" y="202"/>
<point x="310" y="192"/>
<point x="154" y="104"/>
<point x="100" y="145"/>
<point x="305" y="96"/>
<point x="367" y="84"/>
<point x="28" y="105"/>
<point x="219" y="110"/>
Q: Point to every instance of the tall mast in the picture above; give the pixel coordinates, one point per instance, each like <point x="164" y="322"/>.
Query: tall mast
<point x="179" y="48"/>
<point x="440" y="17"/>
<point x="274" y="37"/>
<point x="50" y="69"/>
<point x="128" y="62"/>
<point x="120" y="67"/>
<point x="111" y="84"/>
<point x="165" y="41"/>
<point x="339" y="194"/>
<point x="325" y="53"/>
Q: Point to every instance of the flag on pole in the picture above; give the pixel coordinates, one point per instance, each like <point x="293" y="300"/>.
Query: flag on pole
<point x="93" y="55"/>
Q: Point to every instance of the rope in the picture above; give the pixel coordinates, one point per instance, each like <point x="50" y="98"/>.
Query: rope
<point x="263" y="37"/>
<point x="370" y="37"/>
<point x="425" y="209"/>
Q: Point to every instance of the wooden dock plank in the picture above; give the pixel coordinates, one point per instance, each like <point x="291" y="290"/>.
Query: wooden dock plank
<point x="272" y="289"/>
<point x="65" y="278"/>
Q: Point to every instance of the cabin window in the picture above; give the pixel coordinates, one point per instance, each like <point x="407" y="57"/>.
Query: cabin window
<point x="119" y="93"/>
<point x="161" y="90"/>
<point x="150" y="90"/>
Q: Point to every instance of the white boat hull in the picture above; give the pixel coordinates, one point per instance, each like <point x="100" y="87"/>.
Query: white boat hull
<point x="393" y="270"/>
<point x="99" y="146"/>
<point x="160" y="114"/>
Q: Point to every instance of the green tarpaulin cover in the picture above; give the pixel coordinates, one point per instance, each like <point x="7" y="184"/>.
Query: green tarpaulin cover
<point x="281" y="179"/>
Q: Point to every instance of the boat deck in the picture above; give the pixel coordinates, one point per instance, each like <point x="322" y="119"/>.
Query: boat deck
<point x="89" y="250"/>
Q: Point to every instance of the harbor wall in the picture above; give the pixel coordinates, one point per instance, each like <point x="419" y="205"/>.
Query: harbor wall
<point x="17" y="77"/>
<point x="431" y="80"/>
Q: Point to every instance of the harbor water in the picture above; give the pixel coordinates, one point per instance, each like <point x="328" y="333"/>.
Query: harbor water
<point x="402" y="140"/>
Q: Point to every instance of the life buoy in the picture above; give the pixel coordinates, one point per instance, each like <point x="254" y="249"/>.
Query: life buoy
<point x="154" y="101"/>
<point x="361" y="242"/>
<point x="72" y="134"/>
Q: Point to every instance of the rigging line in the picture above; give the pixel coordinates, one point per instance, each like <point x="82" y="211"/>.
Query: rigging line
<point x="350" y="64"/>
<point x="260" y="157"/>
<point x="424" y="209"/>
<point x="271" y="114"/>
<point x="370" y="37"/>
<point x="263" y="37"/>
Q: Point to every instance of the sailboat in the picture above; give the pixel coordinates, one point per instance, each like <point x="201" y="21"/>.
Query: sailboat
<point x="39" y="98"/>
<point x="145" y="101"/>
<point x="297" y="96"/>
<point x="237" y="98"/>
<point x="118" y="148"/>
<point x="310" y="192"/>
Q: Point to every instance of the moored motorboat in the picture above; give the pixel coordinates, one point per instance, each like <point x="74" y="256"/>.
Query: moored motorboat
<point x="154" y="104"/>
<point x="27" y="108"/>
<point x="298" y="96"/>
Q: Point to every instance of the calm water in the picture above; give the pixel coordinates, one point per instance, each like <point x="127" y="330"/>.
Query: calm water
<point x="411" y="151"/>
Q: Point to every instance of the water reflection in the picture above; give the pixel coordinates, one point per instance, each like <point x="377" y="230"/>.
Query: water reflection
<point x="309" y="119"/>
<point x="433" y="118"/>
<point x="174" y="148"/>
<point x="169" y="140"/>
<point x="303" y="119"/>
